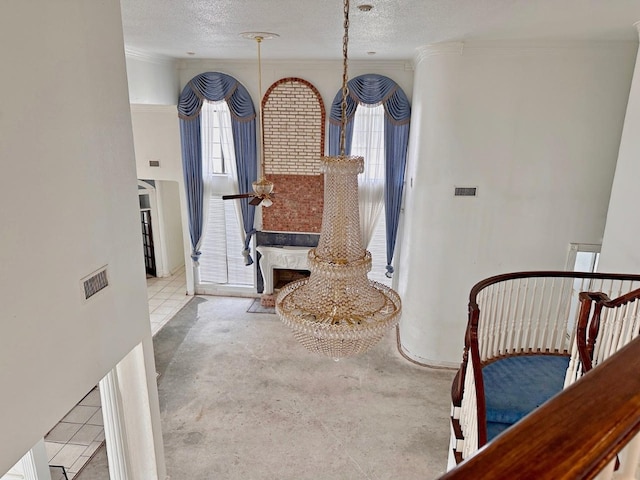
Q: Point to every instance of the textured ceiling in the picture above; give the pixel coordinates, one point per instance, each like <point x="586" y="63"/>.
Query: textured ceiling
<point x="393" y="29"/>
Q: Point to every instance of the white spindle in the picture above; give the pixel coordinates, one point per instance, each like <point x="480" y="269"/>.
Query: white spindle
<point x="491" y="304"/>
<point x="510" y="320"/>
<point x="518" y="309"/>
<point x="527" y="340"/>
<point x="549" y="322"/>
<point x="607" y="472"/>
<point x="629" y="461"/>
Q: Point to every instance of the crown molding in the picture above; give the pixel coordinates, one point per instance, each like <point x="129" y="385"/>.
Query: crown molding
<point x="184" y="64"/>
<point x="448" y="48"/>
<point x="550" y="47"/>
<point x="142" y="56"/>
<point x="524" y="48"/>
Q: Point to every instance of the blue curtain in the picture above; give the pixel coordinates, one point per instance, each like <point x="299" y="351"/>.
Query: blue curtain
<point x="373" y="89"/>
<point x="215" y="86"/>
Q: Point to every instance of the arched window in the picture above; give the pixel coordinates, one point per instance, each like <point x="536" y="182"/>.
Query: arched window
<point x="231" y="126"/>
<point x="368" y="142"/>
<point x="221" y="261"/>
<point x="378" y="116"/>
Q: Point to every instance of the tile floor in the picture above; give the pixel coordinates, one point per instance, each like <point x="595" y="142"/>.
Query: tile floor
<point x="166" y="296"/>
<point x="73" y="441"/>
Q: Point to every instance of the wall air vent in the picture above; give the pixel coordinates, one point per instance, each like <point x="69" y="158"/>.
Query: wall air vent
<point x="154" y="163"/>
<point x="465" y="191"/>
<point x="95" y="282"/>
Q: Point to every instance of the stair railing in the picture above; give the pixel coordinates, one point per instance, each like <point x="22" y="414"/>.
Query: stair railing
<point x="575" y="435"/>
<point x="604" y="327"/>
<point x="518" y="313"/>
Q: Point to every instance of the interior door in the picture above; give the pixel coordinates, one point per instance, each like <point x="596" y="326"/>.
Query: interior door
<point x="147" y="242"/>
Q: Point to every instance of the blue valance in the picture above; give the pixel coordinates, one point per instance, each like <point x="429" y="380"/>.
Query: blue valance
<point x="373" y="89"/>
<point x="215" y="86"/>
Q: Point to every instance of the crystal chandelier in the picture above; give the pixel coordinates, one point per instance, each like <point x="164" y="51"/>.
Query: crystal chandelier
<point x="338" y="311"/>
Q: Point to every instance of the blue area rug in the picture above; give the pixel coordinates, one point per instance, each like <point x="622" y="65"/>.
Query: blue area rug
<point x="515" y="386"/>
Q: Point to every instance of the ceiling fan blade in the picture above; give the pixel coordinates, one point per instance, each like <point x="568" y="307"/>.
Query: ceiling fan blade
<point x="255" y="201"/>
<point x="240" y="195"/>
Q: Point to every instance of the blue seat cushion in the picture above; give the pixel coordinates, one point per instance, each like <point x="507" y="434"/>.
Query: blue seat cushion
<point x="516" y="385"/>
<point x="494" y="429"/>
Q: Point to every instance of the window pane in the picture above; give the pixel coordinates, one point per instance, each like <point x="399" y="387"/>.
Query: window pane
<point x="221" y="260"/>
<point x="368" y="142"/>
<point x="210" y="130"/>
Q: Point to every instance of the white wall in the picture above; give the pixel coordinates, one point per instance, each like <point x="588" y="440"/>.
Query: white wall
<point x="536" y="129"/>
<point x="68" y="190"/>
<point x="156" y="134"/>
<point x="620" y="252"/>
<point x="169" y="202"/>
<point x="152" y="80"/>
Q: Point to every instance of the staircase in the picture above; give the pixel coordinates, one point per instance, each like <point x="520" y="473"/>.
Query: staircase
<point x="529" y="335"/>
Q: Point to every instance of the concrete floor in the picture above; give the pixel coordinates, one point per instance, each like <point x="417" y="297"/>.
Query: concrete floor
<point x="241" y="399"/>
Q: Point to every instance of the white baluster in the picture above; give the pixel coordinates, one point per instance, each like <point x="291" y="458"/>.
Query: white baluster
<point x="510" y="319"/>
<point x="607" y="472"/>
<point x="629" y="460"/>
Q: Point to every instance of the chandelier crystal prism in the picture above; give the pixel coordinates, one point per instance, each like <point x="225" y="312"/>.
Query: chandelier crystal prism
<point x="338" y="311"/>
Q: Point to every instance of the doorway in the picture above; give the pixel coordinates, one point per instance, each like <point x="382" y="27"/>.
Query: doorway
<point x="147" y="243"/>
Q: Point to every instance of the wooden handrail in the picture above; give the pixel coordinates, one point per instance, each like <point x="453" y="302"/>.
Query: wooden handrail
<point x="471" y="350"/>
<point x="595" y="301"/>
<point x="481" y="285"/>
<point x="574" y="435"/>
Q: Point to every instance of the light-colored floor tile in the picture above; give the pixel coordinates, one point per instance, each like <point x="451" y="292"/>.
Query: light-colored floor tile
<point x="96" y="419"/>
<point x="92" y="399"/>
<point x="156" y="317"/>
<point x="80" y="414"/>
<point x="86" y="435"/>
<point x="170" y="290"/>
<point x="164" y="310"/>
<point x="62" y="432"/>
<point x="78" y="464"/>
<point x="91" y="449"/>
<point x="163" y="294"/>
<point x="155" y="302"/>
<point x="100" y="437"/>
<point x="68" y="455"/>
<point x="171" y="303"/>
<point x="52" y="449"/>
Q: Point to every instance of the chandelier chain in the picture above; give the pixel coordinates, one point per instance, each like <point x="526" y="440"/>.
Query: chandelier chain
<point x="345" y="88"/>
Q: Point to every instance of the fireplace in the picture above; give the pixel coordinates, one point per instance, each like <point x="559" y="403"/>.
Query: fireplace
<point x="278" y="263"/>
<point x="280" y="245"/>
<point x="282" y="276"/>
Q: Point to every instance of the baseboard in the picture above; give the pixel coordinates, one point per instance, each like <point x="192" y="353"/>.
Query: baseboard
<point x="423" y="362"/>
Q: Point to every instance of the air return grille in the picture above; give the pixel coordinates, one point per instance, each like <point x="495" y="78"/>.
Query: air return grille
<point x="95" y="282"/>
<point x="465" y="191"/>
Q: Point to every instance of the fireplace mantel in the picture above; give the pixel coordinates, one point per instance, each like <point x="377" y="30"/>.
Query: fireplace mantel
<point x="294" y="258"/>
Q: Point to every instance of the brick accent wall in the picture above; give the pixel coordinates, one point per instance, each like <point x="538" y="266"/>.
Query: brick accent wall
<point x="294" y="128"/>
<point x="297" y="206"/>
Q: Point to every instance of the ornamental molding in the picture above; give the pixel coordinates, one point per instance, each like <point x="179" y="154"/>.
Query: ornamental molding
<point x="526" y="48"/>
<point x="142" y="56"/>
